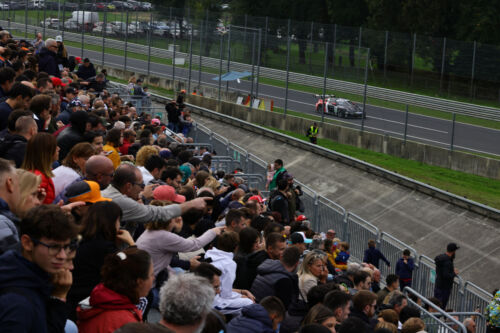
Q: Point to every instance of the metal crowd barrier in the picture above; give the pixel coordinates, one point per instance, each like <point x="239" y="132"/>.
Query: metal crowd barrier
<point x="325" y="214"/>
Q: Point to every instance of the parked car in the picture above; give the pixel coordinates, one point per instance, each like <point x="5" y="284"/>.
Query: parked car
<point x="146" y="6"/>
<point x="339" y="107"/>
<point x="71" y="25"/>
<point x="50" y="23"/>
<point x="4" y="6"/>
<point x="108" y="30"/>
<point x="119" y="27"/>
<point x="70" y="6"/>
<point x="119" y="4"/>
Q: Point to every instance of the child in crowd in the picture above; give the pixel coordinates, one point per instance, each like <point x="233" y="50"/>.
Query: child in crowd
<point x="343" y="256"/>
<point x="270" y="174"/>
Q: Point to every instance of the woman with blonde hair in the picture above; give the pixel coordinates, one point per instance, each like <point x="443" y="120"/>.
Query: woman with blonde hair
<point x="144" y="153"/>
<point x="41" y="152"/>
<point x="29" y="190"/>
<point x="312" y="270"/>
<point x="387" y="326"/>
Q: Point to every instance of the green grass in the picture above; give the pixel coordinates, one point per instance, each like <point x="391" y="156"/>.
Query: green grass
<point x="480" y="189"/>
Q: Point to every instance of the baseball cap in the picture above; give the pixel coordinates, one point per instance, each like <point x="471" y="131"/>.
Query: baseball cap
<point x="452" y="247"/>
<point x="155" y="121"/>
<point x="78" y="60"/>
<point x="86" y="60"/>
<point x="257" y="198"/>
<point x="139" y="80"/>
<point x="299" y="237"/>
<point x="75" y="102"/>
<point x="70" y="90"/>
<point x="57" y="82"/>
<point x="59" y="38"/>
<point x="85" y="190"/>
<point x="301" y="218"/>
<point x="167" y="192"/>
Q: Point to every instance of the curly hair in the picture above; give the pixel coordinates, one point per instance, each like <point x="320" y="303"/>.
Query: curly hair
<point x="144" y="153"/>
<point x="49" y="221"/>
<point x="120" y="272"/>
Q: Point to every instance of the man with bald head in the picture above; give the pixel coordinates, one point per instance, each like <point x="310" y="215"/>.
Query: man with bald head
<point x="125" y="190"/>
<point x="99" y="169"/>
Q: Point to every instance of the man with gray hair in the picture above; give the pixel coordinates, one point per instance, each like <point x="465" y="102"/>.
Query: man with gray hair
<point x="470" y="325"/>
<point x="47" y="58"/>
<point x="185" y="301"/>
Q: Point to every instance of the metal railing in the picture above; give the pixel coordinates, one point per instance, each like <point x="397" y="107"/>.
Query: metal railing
<point x="319" y="82"/>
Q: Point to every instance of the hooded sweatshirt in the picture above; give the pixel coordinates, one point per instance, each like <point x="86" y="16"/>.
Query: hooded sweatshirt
<point x="107" y="312"/>
<point x="254" y="318"/>
<point x="25" y="303"/>
<point x="445" y="272"/>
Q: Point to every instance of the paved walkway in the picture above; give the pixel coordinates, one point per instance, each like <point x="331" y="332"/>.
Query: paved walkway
<point x="425" y="223"/>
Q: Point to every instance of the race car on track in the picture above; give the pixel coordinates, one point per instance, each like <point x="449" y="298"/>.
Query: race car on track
<point x="339" y="107"/>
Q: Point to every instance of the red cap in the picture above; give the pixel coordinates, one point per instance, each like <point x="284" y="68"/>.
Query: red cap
<point x="57" y="82"/>
<point x="78" y="60"/>
<point x="256" y="198"/>
<point x="301" y="218"/>
<point x="167" y="193"/>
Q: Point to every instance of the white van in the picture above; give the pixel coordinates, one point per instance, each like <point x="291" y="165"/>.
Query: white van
<point x="38" y="3"/>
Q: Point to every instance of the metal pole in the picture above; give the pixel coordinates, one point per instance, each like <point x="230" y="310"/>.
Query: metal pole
<point x="229" y="54"/>
<point x="37" y="21"/>
<point x="325" y="71"/>
<point x="64" y="18"/>
<point x="265" y="40"/>
<point x="473" y="68"/>
<point x="83" y="31"/>
<point x="104" y="34"/>
<point x="311" y="47"/>
<point x="175" y="49"/>
<point x="406" y="123"/>
<point x="220" y="65"/>
<point x="201" y="54"/>
<point x="190" y="58"/>
<point x="360" y="37"/>
<point x="442" y="65"/>
<point x="413" y="57"/>
<point x="245" y="35"/>
<point x="385" y="53"/>
<point x="58" y="14"/>
<point x="364" y="92"/>
<point x="150" y="31"/>
<point x="44" y="20"/>
<point x="334" y="47"/>
<point x="258" y="65"/>
<point x="126" y="41"/>
<point x="453" y="131"/>
<point x="287" y="67"/>
<point x="26" y="21"/>
<point x="253" y="69"/>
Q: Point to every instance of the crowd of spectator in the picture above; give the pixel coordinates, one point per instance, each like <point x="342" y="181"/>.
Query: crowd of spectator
<point x="106" y="217"/>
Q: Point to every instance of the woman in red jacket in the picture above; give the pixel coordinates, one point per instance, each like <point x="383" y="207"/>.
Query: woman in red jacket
<point x="41" y="152"/>
<point x="127" y="277"/>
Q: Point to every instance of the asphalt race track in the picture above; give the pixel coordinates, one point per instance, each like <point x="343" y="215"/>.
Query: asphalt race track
<point x="425" y="129"/>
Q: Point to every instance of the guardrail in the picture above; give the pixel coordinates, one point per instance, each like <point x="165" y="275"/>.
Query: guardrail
<point x="435" y="103"/>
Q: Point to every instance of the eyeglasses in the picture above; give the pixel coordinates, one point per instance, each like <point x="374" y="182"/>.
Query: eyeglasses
<point x="141" y="185"/>
<point x="55" y="249"/>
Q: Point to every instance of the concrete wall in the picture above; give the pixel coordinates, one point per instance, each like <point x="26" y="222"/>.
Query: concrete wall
<point x="432" y="155"/>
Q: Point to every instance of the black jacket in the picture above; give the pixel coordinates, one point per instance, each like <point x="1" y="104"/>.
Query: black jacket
<point x="445" y="272"/>
<point x="67" y="139"/>
<point x="86" y="72"/>
<point x="25" y="303"/>
<point x="87" y="272"/>
<point x="274" y="280"/>
<point x="369" y="322"/>
<point x="47" y="62"/>
<point x="173" y="113"/>
<point x="245" y="276"/>
<point x="278" y="202"/>
<point x="13" y="147"/>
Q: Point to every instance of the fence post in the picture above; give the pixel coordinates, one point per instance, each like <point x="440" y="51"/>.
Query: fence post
<point x="442" y="65"/>
<point x="63" y="17"/>
<point x="287" y="67"/>
<point x="258" y="64"/>
<point x="413" y="57"/>
<point x="453" y="131"/>
<point x="245" y="34"/>
<point x="385" y="53"/>
<point x="229" y="54"/>
<point x="360" y="37"/>
<point x="364" y="91"/>
<point x="175" y="51"/>
<point x="265" y="40"/>
<point x="190" y="59"/>
<point x="220" y="66"/>
<point x="104" y="26"/>
<point x="200" y="53"/>
<point x="26" y="20"/>
<point x="406" y="123"/>
<point x="311" y="47"/>
<point x="44" y="19"/>
<point x="253" y="70"/>
<point x="316" y="208"/>
<point x="473" y="68"/>
<point x="150" y="31"/>
<point x="83" y="30"/>
<point x="126" y="41"/>
<point x="334" y="48"/>
<point x="325" y="70"/>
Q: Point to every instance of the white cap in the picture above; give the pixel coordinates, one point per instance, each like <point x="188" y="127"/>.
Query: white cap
<point x="59" y="38"/>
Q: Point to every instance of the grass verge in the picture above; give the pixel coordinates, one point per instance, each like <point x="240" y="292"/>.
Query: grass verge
<point x="480" y="189"/>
